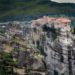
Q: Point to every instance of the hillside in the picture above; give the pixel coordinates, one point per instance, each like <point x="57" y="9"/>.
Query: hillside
<point x="32" y="7"/>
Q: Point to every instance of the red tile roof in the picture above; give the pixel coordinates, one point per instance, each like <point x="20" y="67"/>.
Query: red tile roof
<point x="46" y="19"/>
<point x="63" y="20"/>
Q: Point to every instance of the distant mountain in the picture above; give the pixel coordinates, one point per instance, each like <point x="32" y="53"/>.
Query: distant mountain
<point x="32" y="7"/>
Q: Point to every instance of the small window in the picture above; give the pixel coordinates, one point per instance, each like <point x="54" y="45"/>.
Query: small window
<point x="61" y="59"/>
<point x="35" y="30"/>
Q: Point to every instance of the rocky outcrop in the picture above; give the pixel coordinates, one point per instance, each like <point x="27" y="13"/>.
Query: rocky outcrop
<point x="56" y="40"/>
<point x="42" y="46"/>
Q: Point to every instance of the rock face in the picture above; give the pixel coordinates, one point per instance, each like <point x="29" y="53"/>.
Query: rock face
<point x="17" y="45"/>
<point x="42" y="46"/>
<point x="57" y="41"/>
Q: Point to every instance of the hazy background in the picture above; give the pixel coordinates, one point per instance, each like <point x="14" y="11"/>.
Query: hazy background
<point x="64" y="1"/>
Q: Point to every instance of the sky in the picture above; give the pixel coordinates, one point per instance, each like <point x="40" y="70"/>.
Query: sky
<point x="64" y="1"/>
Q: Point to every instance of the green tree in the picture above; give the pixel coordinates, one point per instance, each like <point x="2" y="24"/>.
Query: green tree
<point x="7" y="64"/>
